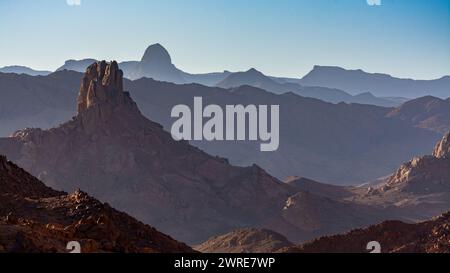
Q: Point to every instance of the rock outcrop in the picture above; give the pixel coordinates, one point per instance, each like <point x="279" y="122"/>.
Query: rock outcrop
<point x="36" y="218"/>
<point x="419" y="189"/>
<point x="102" y="84"/>
<point x="425" y="174"/>
<point x="442" y="149"/>
<point x="249" y="240"/>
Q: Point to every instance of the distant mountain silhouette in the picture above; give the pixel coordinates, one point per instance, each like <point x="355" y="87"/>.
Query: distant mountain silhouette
<point x="358" y="81"/>
<point x="77" y="65"/>
<point x="23" y="70"/>
<point x="255" y="78"/>
<point x="156" y="63"/>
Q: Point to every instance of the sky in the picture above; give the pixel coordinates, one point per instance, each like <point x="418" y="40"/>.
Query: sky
<point x="404" y="38"/>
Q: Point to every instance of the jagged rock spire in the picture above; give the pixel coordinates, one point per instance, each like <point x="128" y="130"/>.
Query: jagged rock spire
<point x="442" y="149"/>
<point x="102" y="83"/>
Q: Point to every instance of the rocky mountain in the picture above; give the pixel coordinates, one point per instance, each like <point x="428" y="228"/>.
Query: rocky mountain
<point x="426" y="112"/>
<point x="363" y="135"/>
<point x="250" y="240"/>
<point x="255" y="78"/>
<point x="17" y="69"/>
<point x="113" y="152"/>
<point x="36" y="218"/>
<point x="432" y="236"/>
<point x="358" y="81"/>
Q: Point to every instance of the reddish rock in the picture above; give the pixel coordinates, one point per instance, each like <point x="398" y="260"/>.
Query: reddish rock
<point x="442" y="149"/>
<point x="249" y="240"/>
<point x="35" y="218"/>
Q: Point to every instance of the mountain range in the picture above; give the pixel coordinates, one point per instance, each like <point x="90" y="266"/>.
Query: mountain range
<point x="257" y="79"/>
<point x="112" y="151"/>
<point x="17" y="69"/>
<point x="376" y="139"/>
<point x="358" y="81"/>
<point x="156" y="63"/>
<point x="332" y="84"/>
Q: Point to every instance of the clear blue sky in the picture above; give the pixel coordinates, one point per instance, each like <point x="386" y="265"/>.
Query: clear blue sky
<point x="406" y="38"/>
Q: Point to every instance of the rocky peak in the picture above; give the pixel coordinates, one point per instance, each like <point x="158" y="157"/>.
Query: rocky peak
<point x="442" y="149"/>
<point x="102" y="84"/>
<point x="156" y="53"/>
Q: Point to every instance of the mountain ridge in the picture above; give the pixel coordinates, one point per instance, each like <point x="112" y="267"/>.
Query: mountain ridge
<point x="358" y="81"/>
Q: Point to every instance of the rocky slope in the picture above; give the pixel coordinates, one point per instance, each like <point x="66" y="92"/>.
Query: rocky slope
<point x="36" y="218"/>
<point x="113" y="152"/>
<point x="250" y="240"/>
<point x="427" y="237"/>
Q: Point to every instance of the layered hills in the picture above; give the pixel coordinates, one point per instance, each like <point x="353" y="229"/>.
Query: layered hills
<point x="375" y="139"/>
<point x="358" y="81"/>
<point x="257" y="79"/>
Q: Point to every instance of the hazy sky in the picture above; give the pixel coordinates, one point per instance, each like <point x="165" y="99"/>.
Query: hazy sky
<point x="406" y="38"/>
